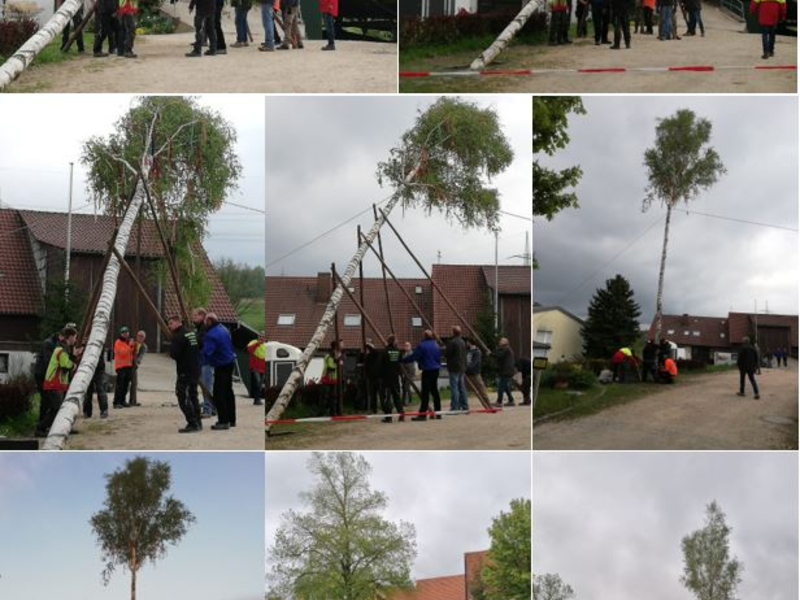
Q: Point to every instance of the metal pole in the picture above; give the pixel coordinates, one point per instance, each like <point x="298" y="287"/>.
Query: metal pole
<point x="69" y="229"/>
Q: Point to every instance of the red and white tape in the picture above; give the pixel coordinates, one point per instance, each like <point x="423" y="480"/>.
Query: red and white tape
<point x="430" y="413"/>
<point x="530" y="72"/>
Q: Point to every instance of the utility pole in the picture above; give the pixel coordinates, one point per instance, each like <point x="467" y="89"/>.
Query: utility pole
<point x="69" y="231"/>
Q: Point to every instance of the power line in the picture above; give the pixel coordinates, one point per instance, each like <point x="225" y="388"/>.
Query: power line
<point x="735" y="220"/>
<point x="516" y="216"/>
<point x="251" y="208"/>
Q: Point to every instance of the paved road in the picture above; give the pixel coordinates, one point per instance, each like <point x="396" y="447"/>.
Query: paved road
<point x="703" y="413"/>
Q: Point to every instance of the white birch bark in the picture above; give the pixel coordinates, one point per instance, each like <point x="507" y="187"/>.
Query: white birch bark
<point x="661" y="275"/>
<point x="504" y="39"/>
<point x="73" y="400"/>
<point x="22" y="58"/>
<point x="296" y="377"/>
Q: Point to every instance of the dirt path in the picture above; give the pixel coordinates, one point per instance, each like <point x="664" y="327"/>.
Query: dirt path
<point x="725" y="44"/>
<point x="703" y="414"/>
<point x="162" y="68"/>
<point x="155" y="424"/>
<point x="507" y="430"/>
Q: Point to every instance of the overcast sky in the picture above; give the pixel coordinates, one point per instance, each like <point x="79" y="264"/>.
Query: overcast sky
<point x="611" y="523"/>
<point x="48" y="549"/>
<point x="39" y="137"/>
<point x="438" y="492"/>
<point x="322" y="154"/>
<point x="713" y="266"/>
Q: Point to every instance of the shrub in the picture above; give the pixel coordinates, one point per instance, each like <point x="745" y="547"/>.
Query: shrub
<point x="581" y="379"/>
<point x="595" y="365"/>
<point x="415" y="31"/>
<point x="156" y="23"/>
<point x="16" y="396"/>
<point x="15" y="33"/>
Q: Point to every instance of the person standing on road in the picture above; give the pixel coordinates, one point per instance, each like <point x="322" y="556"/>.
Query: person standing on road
<point x="204" y="26"/>
<point x="409" y="374"/>
<point x="391" y="372"/>
<point x="622" y="23"/>
<point x="291" y="29"/>
<point x="221" y="48"/>
<point x="650" y="361"/>
<point x="748" y="364"/>
<point x="240" y="9"/>
<point x="218" y="352"/>
<point x="504" y="356"/>
<point x="558" y="15"/>
<point x="97" y="386"/>
<point x="770" y="13"/>
<point x="140" y="352"/>
<point x="124" y="349"/>
<point x="666" y="9"/>
<point x="600" y="21"/>
<point x="329" y="10"/>
<point x="206" y="371"/>
<point x="523" y="367"/>
<point x="184" y="350"/>
<point x="106" y="27"/>
<point x="257" y="365"/>
<point x="127" y="11"/>
<point x="473" y="371"/>
<point x="785" y="354"/>
<point x="268" y="23"/>
<point x="456" y="355"/>
<point x="76" y="23"/>
<point x="428" y="356"/>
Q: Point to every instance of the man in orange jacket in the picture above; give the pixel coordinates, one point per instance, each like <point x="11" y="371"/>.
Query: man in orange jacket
<point x="124" y="355"/>
<point x="770" y="13"/>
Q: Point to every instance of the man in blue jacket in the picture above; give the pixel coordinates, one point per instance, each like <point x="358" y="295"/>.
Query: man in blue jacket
<point x="218" y="352"/>
<point x="428" y="357"/>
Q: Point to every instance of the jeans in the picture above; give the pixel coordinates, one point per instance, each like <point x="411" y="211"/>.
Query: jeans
<point x="241" y="23"/>
<point x="330" y="28"/>
<point x="665" y="23"/>
<point x="504" y="387"/>
<point x="256" y="385"/>
<point x="751" y="376"/>
<point x="768" y="38"/>
<point x="218" y="27"/>
<point x="430" y="388"/>
<point x="458" y="392"/>
<point x="207" y="377"/>
<point x="267" y="20"/>
<point x="223" y="394"/>
<point x="695" y="20"/>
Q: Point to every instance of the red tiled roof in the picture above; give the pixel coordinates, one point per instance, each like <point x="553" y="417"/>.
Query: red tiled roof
<point x="512" y="279"/>
<point x="20" y="291"/>
<point x="298" y="296"/>
<point x="435" y="588"/>
<point x="712" y="331"/>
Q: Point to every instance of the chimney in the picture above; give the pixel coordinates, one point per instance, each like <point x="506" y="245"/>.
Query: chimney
<point x="685" y="319"/>
<point x="323" y="288"/>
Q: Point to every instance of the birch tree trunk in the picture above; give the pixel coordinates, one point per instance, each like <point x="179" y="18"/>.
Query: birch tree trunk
<point x="71" y="407"/>
<point x="661" y="274"/>
<point x="504" y="39"/>
<point x="296" y="377"/>
<point x="22" y="58"/>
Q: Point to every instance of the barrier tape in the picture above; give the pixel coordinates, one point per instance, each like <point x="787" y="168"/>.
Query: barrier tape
<point x="529" y="72"/>
<point x="430" y="413"/>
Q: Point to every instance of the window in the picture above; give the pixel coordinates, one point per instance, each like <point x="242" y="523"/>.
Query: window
<point x="352" y="320"/>
<point x="543" y="336"/>
<point x="670" y="332"/>
<point x="286" y="319"/>
<point x="696" y="334"/>
<point x="722" y="335"/>
<point x="416" y="321"/>
<point x="4" y="363"/>
<point x="685" y="333"/>
<point x="282" y="353"/>
<point x="418" y="289"/>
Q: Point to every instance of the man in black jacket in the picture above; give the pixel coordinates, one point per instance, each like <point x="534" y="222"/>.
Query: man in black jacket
<point x="184" y="350"/>
<point x="390" y="380"/>
<point x="204" y="26"/>
<point x="620" y="16"/>
<point x="456" y="355"/>
<point x="649" y="361"/>
<point x="748" y="364"/>
<point x="106" y="26"/>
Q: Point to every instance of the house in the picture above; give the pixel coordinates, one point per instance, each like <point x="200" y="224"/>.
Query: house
<point x="33" y="246"/>
<point x="455" y="587"/>
<point x="295" y="305"/>
<point x="559" y="329"/>
<point x="715" y="339"/>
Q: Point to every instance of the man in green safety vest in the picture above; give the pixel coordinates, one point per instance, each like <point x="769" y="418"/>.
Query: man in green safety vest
<point x="56" y="379"/>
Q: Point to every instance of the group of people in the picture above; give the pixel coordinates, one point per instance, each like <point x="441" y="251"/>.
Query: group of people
<point x="390" y="375"/>
<point x="656" y="363"/>
<point x="204" y="357"/>
<point x="618" y="14"/>
<point x="115" y="23"/>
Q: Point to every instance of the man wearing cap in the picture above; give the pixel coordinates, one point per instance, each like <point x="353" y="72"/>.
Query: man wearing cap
<point x="184" y="350"/>
<point x="218" y="352"/>
<point x="56" y="379"/>
<point x="257" y="364"/>
<point x="124" y="351"/>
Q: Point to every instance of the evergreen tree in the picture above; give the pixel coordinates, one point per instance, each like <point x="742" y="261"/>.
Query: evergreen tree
<point x="613" y="319"/>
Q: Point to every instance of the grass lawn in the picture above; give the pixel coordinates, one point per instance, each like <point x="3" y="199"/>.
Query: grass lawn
<point x="23" y="425"/>
<point x="251" y="311"/>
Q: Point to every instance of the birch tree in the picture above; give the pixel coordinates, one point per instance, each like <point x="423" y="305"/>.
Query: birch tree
<point x="139" y="521"/>
<point x="680" y="165"/>
<point x="444" y="163"/>
<point x="341" y="547"/>
<point x="505" y="37"/>
<point x="708" y="570"/>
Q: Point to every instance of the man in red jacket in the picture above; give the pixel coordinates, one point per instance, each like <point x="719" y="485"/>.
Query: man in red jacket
<point x="329" y="10"/>
<point x="770" y="13"/>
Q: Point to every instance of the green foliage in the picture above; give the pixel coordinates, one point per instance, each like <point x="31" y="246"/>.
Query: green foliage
<point x="507" y="573"/>
<point x="156" y="22"/>
<point x="139" y="520"/>
<point x="613" y="319"/>
<point x="460" y="147"/>
<point x="550" y="587"/>
<point x="550" y="122"/>
<point x="681" y="163"/>
<point x="16" y="397"/>
<point x="63" y="303"/>
<point x="708" y="571"/>
<point x="580" y="379"/>
<point x="240" y="280"/>
<point x="195" y="167"/>
<point x="342" y="547"/>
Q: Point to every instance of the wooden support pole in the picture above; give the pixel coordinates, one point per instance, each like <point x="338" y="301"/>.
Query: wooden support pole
<point x="383" y="267"/>
<point x="140" y="288"/>
<point x="464" y="322"/>
<point x="81" y="26"/>
<point x="361" y="293"/>
<point x="339" y="394"/>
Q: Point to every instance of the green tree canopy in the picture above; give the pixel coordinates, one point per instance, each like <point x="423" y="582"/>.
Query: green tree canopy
<point x="139" y="520"/>
<point x="461" y="148"/>
<point x="341" y="547"/>
<point x="549" y="586"/>
<point x="507" y="573"/>
<point x="708" y="570"/>
<point x="551" y="188"/>
<point x="613" y="320"/>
